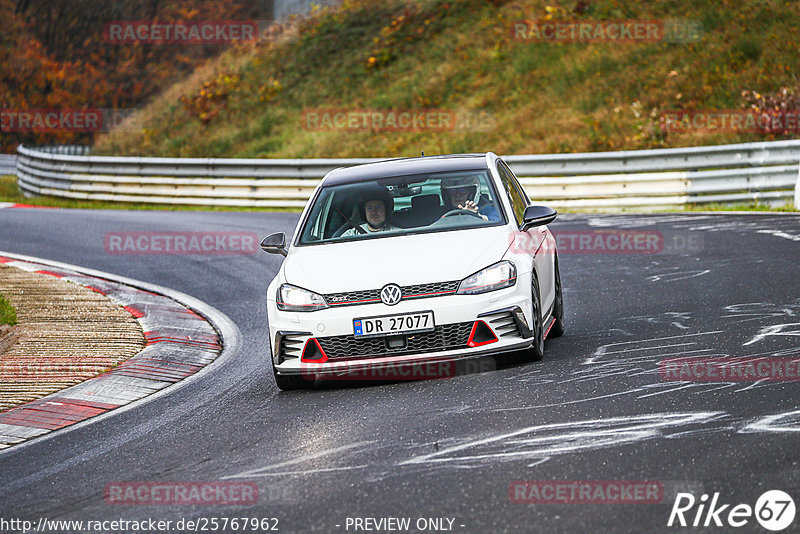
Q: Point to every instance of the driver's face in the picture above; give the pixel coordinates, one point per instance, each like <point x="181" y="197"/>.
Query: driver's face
<point x="376" y="212"/>
<point x="459" y="195"/>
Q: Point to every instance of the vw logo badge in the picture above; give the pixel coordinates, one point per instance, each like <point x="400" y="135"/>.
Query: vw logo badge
<point x="391" y="294"/>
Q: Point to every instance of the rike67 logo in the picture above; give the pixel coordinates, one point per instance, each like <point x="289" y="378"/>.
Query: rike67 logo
<point x="774" y="510"/>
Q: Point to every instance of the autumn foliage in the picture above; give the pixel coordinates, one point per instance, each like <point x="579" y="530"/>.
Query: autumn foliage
<point x="54" y="55"/>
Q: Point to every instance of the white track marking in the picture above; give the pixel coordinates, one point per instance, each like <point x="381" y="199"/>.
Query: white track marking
<point x="778" y="233"/>
<point x="300" y="473"/>
<point x="774" y="330"/>
<point x="562" y="438"/>
<point x="671" y="390"/>
<point x="265" y="471"/>
<point x="782" y="422"/>
<point x="626" y="351"/>
<point x="675" y="277"/>
<point x="538" y="462"/>
<point x="603" y="350"/>
<point x="564" y="403"/>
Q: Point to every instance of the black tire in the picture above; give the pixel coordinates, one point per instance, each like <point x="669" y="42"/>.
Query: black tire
<point x="536" y="351"/>
<point x="557" y="330"/>
<point x="290" y="382"/>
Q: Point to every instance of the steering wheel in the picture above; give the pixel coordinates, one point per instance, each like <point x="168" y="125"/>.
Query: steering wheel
<point x="461" y="211"/>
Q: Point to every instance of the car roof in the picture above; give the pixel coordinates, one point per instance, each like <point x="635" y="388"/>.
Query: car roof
<point x="405" y="166"/>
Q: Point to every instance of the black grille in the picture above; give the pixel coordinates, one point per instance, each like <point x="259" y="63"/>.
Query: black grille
<point x="426" y="290"/>
<point x="371" y="296"/>
<point x="445" y="337"/>
<point x="354" y="297"/>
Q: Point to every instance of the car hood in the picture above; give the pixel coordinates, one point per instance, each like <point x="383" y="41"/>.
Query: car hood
<point x="402" y="260"/>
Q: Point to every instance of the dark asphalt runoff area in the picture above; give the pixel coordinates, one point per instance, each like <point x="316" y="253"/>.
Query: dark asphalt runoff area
<point x="597" y="408"/>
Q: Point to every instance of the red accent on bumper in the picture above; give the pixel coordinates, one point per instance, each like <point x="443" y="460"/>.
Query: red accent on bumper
<point x="472" y="343"/>
<point x="319" y="348"/>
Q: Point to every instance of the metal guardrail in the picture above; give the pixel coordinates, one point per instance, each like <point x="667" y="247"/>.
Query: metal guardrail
<point x="8" y="164"/>
<point x="648" y="179"/>
<point x="69" y="150"/>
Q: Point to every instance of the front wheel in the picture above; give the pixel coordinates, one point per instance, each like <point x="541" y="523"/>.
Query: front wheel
<point x="536" y="351"/>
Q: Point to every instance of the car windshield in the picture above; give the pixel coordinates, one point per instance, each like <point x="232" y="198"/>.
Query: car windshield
<point x="387" y="207"/>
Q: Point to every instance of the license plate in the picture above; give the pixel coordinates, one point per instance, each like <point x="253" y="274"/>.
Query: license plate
<point x="387" y="325"/>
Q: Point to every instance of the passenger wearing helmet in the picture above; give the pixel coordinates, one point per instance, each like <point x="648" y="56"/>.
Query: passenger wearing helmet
<point x="463" y="192"/>
<point x="376" y="207"/>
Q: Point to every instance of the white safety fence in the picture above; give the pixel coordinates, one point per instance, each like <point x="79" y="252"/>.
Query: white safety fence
<point x="642" y="179"/>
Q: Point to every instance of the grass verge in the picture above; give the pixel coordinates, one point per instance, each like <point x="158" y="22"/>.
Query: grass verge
<point x="7" y="313"/>
<point x="742" y="206"/>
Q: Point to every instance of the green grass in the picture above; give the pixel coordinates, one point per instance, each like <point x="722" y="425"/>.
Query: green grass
<point x="8" y="316"/>
<point x="460" y="55"/>
<point x="743" y="206"/>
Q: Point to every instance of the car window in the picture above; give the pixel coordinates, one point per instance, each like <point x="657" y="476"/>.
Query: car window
<point x="516" y="195"/>
<point x="384" y="207"/>
<point x="517" y="184"/>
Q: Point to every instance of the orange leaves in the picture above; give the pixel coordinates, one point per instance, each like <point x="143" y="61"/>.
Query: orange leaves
<point x="405" y="27"/>
<point x="270" y="90"/>
<point x="773" y="109"/>
<point x="212" y="98"/>
<point x="58" y="56"/>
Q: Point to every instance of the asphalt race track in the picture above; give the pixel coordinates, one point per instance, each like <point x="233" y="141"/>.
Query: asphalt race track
<point x="595" y="409"/>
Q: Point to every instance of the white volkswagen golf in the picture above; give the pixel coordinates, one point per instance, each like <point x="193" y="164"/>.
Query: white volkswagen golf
<point x="411" y="261"/>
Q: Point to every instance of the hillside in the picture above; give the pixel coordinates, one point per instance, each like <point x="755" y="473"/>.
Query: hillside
<point x="461" y="60"/>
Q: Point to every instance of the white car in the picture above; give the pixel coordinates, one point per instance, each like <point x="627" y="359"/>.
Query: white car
<point x="411" y="261"/>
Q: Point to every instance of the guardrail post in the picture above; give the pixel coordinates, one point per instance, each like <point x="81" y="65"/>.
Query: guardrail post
<point x="797" y="190"/>
<point x="16" y="166"/>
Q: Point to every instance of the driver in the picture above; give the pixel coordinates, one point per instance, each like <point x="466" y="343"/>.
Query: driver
<point x="376" y="207"/>
<point x="462" y="192"/>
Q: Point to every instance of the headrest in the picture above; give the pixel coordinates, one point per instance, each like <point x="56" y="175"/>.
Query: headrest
<point x="425" y="202"/>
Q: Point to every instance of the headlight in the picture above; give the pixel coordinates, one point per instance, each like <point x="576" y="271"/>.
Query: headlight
<point x="492" y="278"/>
<point x="292" y="298"/>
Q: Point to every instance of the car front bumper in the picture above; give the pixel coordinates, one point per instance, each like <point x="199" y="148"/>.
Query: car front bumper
<point x="507" y="313"/>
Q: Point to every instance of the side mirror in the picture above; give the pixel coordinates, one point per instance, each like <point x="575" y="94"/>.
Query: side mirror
<point x="537" y="216"/>
<point x="275" y="244"/>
